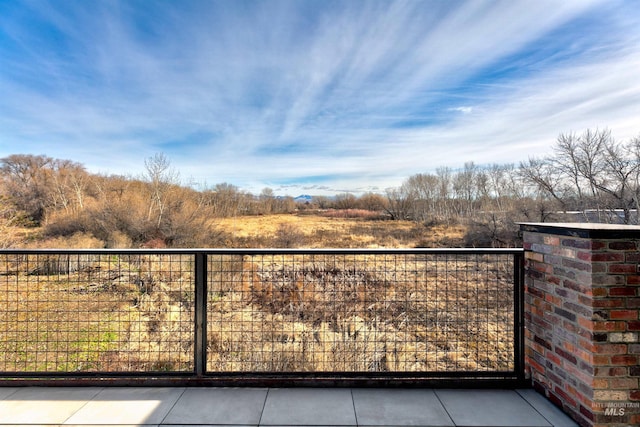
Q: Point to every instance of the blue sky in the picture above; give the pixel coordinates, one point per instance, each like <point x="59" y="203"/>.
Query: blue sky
<point x="317" y="97"/>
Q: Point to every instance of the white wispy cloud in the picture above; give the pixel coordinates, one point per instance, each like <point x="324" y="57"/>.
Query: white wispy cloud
<point x="464" y="109"/>
<point x="345" y="95"/>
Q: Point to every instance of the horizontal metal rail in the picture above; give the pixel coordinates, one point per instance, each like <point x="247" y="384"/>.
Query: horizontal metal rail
<point x="261" y="316"/>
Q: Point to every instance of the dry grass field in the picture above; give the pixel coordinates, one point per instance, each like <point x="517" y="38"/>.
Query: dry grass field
<point x="324" y="230"/>
<point x="307" y="229"/>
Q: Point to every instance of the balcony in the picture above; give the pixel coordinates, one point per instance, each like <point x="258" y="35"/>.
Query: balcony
<point x="395" y="336"/>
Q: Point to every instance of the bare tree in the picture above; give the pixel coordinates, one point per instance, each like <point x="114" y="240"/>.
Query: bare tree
<point x="69" y="185"/>
<point x="590" y="171"/>
<point x="28" y="183"/>
<point x="542" y="174"/>
<point x="465" y="187"/>
<point x="499" y="179"/>
<point x="345" y="201"/>
<point x="225" y="199"/>
<point x="634" y="150"/>
<point x="622" y="169"/>
<point x="372" y="202"/>
<point x="400" y="203"/>
<point x="445" y="193"/>
<point x="424" y="188"/>
<point x="8" y="218"/>
<point x="267" y="199"/>
<point x="162" y="179"/>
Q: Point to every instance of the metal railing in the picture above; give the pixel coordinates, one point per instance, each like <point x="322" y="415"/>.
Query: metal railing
<point x="261" y="316"/>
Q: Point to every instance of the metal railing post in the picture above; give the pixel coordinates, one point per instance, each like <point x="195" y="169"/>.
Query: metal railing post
<point x="200" y="314"/>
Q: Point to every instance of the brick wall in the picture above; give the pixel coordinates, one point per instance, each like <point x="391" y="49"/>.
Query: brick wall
<point x="582" y="301"/>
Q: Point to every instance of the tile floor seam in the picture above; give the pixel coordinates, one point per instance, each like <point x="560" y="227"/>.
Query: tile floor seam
<point x="184" y="389"/>
<point x="11" y="394"/>
<point x="86" y="402"/>
<point x="264" y="404"/>
<point x="542" y="415"/>
<point x="435" y="391"/>
<point x="353" y="404"/>
<point x="535" y="409"/>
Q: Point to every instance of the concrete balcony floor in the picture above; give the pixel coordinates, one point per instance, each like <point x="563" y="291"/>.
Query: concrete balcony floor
<point x="156" y="406"/>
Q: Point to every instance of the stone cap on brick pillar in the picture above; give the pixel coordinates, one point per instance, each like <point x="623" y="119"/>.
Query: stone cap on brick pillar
<point x="587" y="230"/>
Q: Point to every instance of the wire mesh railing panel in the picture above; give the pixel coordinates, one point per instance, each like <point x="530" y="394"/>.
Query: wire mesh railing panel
<point x="96" y="312"/>
<point x="208" y="313"/>
<point x="292" y="312"/>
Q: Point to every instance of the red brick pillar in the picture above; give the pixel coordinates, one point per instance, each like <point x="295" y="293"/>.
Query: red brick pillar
<point x="582" y="298"/>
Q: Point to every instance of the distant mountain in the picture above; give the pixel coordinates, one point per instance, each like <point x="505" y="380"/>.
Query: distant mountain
<point x="303" y="198"/>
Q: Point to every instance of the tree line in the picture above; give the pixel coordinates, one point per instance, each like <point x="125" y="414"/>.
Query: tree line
<point x="588" y="177"/>
<point x="154" y="209"/>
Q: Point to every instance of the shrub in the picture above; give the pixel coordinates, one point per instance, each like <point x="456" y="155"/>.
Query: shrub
<point x="493" y="232"/>
<point x="288" y="236"/>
